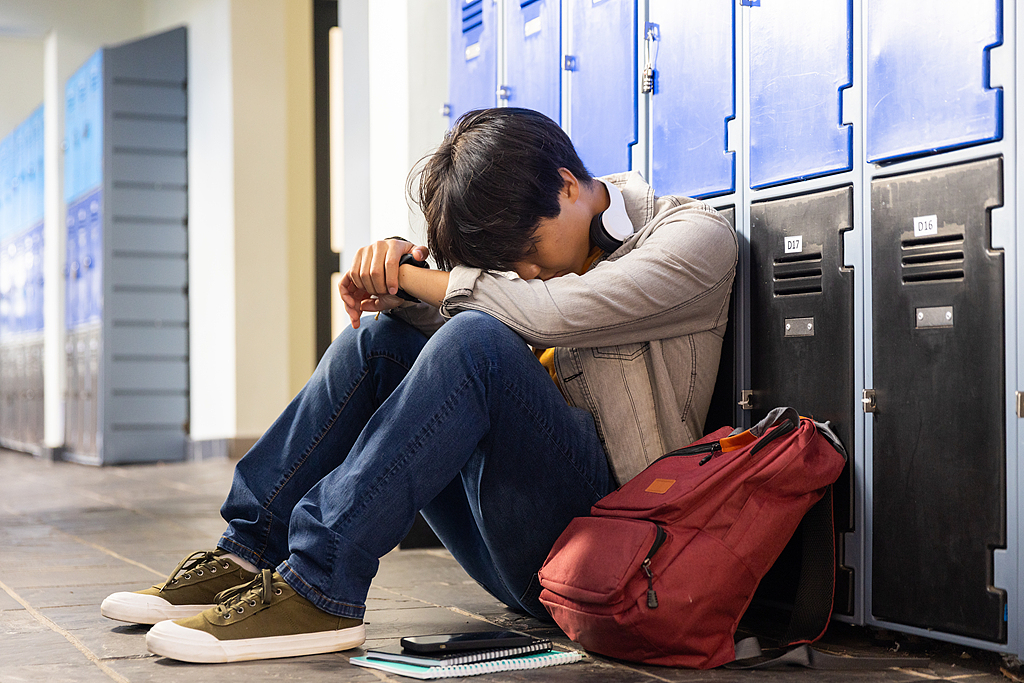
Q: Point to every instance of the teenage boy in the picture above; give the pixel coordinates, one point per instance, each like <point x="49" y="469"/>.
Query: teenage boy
<point x="441" y="405"/>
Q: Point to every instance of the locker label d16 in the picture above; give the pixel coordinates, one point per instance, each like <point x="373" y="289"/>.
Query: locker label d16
<point x="926" y="225"/>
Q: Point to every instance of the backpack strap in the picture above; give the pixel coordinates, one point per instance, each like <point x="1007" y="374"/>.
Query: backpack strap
<point x="749" y="655"/>
<point x="815" y="593"/>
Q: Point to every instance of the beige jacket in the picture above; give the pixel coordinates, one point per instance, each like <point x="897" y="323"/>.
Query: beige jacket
<point x="638" y="336"/>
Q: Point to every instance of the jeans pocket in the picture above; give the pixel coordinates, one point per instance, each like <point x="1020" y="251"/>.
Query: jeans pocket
<point x="626" y="352"/>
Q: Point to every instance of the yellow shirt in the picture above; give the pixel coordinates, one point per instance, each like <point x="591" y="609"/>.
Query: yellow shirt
<point x="547" y="356"/>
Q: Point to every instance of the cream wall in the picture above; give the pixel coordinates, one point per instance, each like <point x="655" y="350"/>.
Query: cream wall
<point x="251" y="197"/>
<point x="251" y="194"/>
<point x="23" y="90"/>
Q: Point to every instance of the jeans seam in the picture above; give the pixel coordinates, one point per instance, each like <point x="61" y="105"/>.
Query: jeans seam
<point x="549" y="432"/>
<point x="312" y="589"/>
<point x="417" y="444"/>
<point x="328" y="426"/>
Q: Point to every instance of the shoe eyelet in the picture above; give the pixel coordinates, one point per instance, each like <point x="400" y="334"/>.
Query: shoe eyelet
<point x="226" y="566"/>
<point x="227" y="616"/>
<point x="240" y="610"/>
<point x="199" y="572"/>
<point x="252" y="603"/>
<point x="278" y="591"/>
<point x="188" y="576"/>
<point x="213" y="570"/>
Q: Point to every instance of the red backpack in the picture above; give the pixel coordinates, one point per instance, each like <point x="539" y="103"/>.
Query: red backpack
<point x="667" y="564"/>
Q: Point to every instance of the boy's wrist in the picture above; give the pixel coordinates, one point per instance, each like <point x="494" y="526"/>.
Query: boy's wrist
<point x="409" y="260"/>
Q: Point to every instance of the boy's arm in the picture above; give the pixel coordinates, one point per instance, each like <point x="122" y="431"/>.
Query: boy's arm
<point x="675" y="281"/>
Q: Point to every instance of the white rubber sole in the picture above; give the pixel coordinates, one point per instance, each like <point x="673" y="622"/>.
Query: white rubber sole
<point x="168" y="639"/>
<point x="136" y="608"/>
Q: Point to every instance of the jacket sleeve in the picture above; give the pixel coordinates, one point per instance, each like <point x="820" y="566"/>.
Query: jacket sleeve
<point x="675" y="280"/>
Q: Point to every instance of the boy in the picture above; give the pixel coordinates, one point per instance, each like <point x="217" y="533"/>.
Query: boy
<point x="441" y="405"/>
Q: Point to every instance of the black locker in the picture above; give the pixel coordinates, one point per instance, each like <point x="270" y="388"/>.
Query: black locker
<point x="801" y="330"/>
<point x="939" y="451"/>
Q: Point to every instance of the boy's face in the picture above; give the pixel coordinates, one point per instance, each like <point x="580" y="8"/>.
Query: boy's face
<point x="563" y="242"/>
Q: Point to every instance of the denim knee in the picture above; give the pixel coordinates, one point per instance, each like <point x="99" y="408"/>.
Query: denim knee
<point x="476" y="330"/>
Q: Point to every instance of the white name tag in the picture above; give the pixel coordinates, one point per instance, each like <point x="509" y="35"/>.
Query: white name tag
<point x="794" y="244"/>
<point x="926" y="225"/>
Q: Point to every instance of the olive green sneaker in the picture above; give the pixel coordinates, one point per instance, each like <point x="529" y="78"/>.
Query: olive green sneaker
<point x="262" y="619"/>
<point x="191" y="588"/>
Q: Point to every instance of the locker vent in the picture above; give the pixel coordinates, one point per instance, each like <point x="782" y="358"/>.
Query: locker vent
<point x="797" y="274"/>
<point x="933" y="259"/>
<point x="472" y="15"/>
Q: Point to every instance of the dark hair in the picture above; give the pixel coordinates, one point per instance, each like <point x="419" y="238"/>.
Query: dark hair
<point x="485" y="189"/>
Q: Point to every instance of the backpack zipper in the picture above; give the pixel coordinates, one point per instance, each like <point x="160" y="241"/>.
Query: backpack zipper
<point x="711" y="448"/>
<point x="645" y="566"/>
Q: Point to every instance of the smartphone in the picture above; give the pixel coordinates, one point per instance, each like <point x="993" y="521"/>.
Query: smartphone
<point x="455" y="642"/>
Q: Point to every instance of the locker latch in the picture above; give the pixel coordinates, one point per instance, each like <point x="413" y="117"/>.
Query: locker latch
<point x="1020" y="404"/>
<point x="504" y="92"/>
<point x="651" y="35"/>
<point x="868" y="401"/>
<point x="446" y="109"/>
<point x="569" y="63"/>
<point x="746" y="399"/>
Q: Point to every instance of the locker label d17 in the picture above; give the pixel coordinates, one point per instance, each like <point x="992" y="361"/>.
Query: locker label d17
<point x="794" y="244"/>
<point x="926" y="225"/>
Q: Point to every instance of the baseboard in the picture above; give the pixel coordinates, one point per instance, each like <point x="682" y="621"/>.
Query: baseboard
<point x="216" y="449"/>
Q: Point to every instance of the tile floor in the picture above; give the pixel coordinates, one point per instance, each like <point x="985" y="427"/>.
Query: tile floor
<point x="70" y="535"/>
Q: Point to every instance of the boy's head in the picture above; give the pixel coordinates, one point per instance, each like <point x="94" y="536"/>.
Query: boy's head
<point x="493" y="178"/>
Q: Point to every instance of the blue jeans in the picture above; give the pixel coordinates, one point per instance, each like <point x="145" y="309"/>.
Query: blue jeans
<point x="466" y="427"/>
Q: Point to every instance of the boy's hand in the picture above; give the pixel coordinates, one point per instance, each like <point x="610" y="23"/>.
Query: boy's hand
<point x="371" y="283"/>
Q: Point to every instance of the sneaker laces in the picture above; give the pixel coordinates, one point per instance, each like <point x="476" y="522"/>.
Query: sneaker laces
<point x="198" y="562"/>
<point x="255" y="592"/>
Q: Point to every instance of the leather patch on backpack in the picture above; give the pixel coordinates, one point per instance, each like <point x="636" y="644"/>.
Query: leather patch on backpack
<point x="660" y="485"/>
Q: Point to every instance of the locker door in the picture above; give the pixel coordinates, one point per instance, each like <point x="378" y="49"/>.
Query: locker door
<point x="473" y="68"/>
<point x="928" y="75"/>
<point x="694" y="96"/>
<point x="602" y="82"/>
<point x="801" y="59"/>
<point x="533" y="45"/>
<point x="801" y="327"/>
<point x="939" y="451"/>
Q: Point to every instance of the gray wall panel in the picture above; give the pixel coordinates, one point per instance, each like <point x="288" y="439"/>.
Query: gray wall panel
<point x="148" y="134"/>
<point x="146" y="203"/>
<point x="147" y="272"/>
<point x="145" y="99"/>
<point x="159" y="169"/>
<point x="125" y="411"/>
<point x="156" y="306"/>
<point x="146" y="375"/>
<point x="135" y="237"/>
<point x="136" y="341"/>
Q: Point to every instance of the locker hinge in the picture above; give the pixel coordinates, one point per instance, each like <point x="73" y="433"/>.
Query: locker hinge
<point x="746" y="399"/>
<point x="1020" y="404"/>
<point x="750" y="3"/>
<point x="446" y="109"/>
<point x="652" y="34"/>
<point x="868" y="401"/>
<point x="569" y="63"/>
<point x="504" y="92"/>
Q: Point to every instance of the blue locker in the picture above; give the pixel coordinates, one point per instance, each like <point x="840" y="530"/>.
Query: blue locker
<point x="694" y="96"/>
<point x="800" y="61"/>
<point x="928" y="76"/>
<point x="602" y="100"/>
<point x="473" y="68"/>
<point x="71" y="273"/>
<point x="533" y="47"/>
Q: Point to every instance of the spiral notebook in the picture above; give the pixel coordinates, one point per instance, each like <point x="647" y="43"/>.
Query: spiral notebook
<point x="536" y="660"/>
<point x="399" y="654"/>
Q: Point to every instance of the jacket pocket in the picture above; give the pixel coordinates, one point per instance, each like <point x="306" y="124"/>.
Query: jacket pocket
<point x="626" y="352"/>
